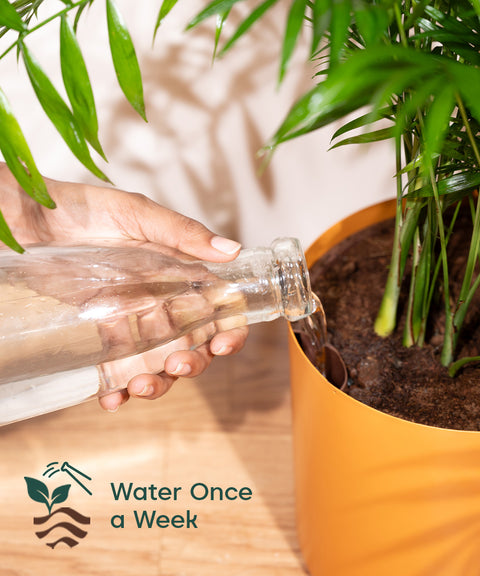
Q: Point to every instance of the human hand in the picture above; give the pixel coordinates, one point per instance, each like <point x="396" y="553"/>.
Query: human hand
<point x="87" y="213"/>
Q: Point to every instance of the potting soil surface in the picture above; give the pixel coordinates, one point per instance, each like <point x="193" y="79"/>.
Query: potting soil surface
<point x="410" y="382"/>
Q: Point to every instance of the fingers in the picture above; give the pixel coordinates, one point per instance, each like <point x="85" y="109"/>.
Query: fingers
<point x="163" y="226"/>
<point x="229" y="342"/>
<point x="193" y="238"/>
<point x="183" y="363"/>
<point x="112" y="402"/>
<point x="189" y="363"/>
<point x="150" y="386"/>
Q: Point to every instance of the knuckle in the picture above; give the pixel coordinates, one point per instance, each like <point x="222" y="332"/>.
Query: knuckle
<point x="190" y="228"/>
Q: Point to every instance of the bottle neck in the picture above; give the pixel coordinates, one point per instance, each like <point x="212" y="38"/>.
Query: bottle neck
<point x="268" y="282"/>
<point x="293" y="279"/>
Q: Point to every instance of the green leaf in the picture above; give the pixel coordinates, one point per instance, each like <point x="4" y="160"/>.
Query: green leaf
<point x="58" y="112"/>
<point x="416" y="13"/>
<point x="417" y="99"/>
<point x="165" y="8"/>
<point x="60" y="494"/>
<point x="372" y="22"/>
<point x="456" y="366"/>
<point x="458" y="183"/>
<point x="339" y="29"/>
<point x="295" y="20"/>
<point x="321" y="15"/>
<point x="7" y="237"/>
<point x="367" y="138"/>
<point x="79" y="13"/>
<point x="451" y="23"/>
<point x="330" y="100"/>
<point x="368" y="77"/>
<point x="466" y="79"/>
<point x="10" y="18"/>
<point x="38" y="491"/>
<point x="77" y="84"/>
<point x="476" y="5"/>
<point x="214" y="8"/>
<point x="247" y="23"/>
<point x="363" y="120"/>
<point x="221" y="19"/>
<point x="466" y="53"/>
<point x="125" y="59"/>
<point x="436" y="124"/>
<point x="18" y="157"/>
<point x="440" y="35"/>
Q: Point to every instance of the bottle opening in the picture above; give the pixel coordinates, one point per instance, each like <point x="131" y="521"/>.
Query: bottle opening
<point x="296" y="293"/>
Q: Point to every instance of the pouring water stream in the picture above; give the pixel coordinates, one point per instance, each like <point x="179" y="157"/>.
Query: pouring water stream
<point x="312" y="333"/>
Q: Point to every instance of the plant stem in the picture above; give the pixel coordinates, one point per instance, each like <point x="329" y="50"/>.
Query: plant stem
<point x="401" y="30"/>
<point x="447" y="350"/>
<point x="406" y="221"/>
<point x="420" y="280"/>
<point x="468" y="290"/>
<point x="387" y="314"/>
<point x="409" y="337"/>
<point x="468" y="130"/>
<point x="25" y="33"/>
<point x="436" y="271"/>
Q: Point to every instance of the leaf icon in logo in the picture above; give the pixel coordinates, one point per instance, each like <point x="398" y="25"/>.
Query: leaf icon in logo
<point x="38" y="491"/>
<point x="60" y="494"/>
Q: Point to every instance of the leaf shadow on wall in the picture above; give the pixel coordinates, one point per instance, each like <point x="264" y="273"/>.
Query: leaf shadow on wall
<point x="205" y="126"/>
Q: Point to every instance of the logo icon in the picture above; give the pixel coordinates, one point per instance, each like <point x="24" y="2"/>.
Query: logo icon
<point x="64" y="524"/>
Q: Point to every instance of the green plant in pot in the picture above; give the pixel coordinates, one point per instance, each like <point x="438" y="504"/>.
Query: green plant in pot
<point x="409" y="72"/>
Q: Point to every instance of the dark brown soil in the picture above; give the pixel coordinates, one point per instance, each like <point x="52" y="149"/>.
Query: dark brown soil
<point x="406" y="382"/>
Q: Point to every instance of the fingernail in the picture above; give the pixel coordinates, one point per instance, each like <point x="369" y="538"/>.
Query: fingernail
<point x="146" y="391"/>
<point x="182" y="369"/>
<point x="222" y="351"/>
<point x="112" y="409"/>
<point x="112" y="402"/>
<point x="138" y="390"/>
<point x="225" y="245"/>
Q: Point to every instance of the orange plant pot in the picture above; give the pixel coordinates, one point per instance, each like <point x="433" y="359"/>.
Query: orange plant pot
<point x="377" y="495"/>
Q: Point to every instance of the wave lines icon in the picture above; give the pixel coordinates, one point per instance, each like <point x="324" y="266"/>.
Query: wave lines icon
<point x="66" y="528"/>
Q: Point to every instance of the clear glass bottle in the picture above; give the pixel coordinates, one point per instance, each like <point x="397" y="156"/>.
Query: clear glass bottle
<point x="78" y="322"/>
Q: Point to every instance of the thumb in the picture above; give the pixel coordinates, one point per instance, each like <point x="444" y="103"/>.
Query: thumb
<point x="173" y="229"/>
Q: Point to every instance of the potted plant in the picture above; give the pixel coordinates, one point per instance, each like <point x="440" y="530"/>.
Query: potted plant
<point x="376" y="494"/>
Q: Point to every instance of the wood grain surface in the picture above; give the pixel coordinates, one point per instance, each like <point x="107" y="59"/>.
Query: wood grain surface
<point x="229" y="428"/>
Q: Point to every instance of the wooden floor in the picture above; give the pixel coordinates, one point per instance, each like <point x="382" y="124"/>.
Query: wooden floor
<point x="228" y="428"/>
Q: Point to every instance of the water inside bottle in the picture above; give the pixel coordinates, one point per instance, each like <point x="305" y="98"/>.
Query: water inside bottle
<point x="63" y="308"/>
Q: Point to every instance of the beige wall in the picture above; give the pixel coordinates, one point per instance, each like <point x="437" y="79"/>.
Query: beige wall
<point x="197" y="152"/>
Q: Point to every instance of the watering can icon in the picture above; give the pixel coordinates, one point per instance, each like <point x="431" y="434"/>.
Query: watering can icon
<point x="74" y="473"/>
